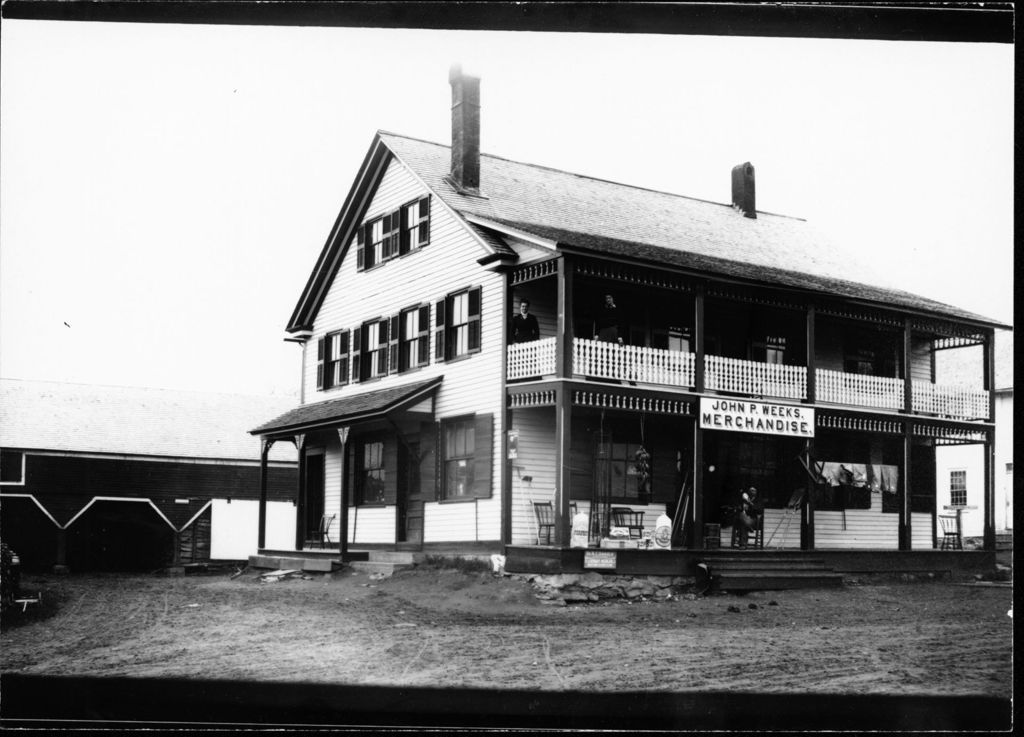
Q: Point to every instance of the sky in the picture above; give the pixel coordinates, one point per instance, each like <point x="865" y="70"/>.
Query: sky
<point x="166" y="189"/>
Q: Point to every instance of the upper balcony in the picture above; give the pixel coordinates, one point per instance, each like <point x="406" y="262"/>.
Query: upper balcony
<point x="593" y="359"/>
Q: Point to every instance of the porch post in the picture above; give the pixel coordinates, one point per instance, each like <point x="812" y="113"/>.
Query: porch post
<point x="811" y="386"/>
<point x="988" y="540"/>
<point x="505" y="425"/>
<point x="563" y="469"/>
<point x="908" y="385"/>
<point x="261" y="539"/>
<point x="300" y="497"/>
<point x="563" y="348"/>
<point x="343" y="512"/>
<point x="698" y="350"/>
<point x="807" y="506"/>
<point x="61" y="565"/>
<point x="903" y="498"/>
<point x="697" y="533"/>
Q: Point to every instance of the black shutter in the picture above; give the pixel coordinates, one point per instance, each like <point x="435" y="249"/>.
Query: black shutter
<point x="320" y="373"/>
<point x="394" y="344"/>
<point x="368" y="245"/>
<point x="390" y="469"/>
<point x="483" y="454"/>
<point x="404" y="245"/>
<point x="474" y="319"/>
<point x="357" y="337"/>
<point x="423" y="341"/>
<point x="423" y="229"/>
<point x="439" y="337"/>
<point x="381" y="354"/>
<point x="360" y="248"/>
<point x="343" y="339"/>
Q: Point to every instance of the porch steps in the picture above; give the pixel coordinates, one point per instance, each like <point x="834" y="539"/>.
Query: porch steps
<point x="386" y="562"/>
<point x="278" y="562"/>
<point x="755" y="571"/>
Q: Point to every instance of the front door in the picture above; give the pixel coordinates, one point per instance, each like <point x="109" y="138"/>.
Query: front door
<point x="409" y="502"/>
<point x="314" y="494"/>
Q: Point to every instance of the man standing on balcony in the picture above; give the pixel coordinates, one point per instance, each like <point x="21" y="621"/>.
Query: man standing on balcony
<point x="606" y="327"/>
<point x="524" y="325"/>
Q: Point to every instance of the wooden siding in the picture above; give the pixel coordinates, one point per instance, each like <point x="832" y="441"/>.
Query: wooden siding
<point x="471" y="385"/>
<point x="536" y="460"/>
<point x="920" y="531"/>
<point x="921" y="359"/>
<point x="865" y="528"/>
<point x="65" y="484"/>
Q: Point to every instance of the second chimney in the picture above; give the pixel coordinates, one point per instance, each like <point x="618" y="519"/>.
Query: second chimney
<point x="743" y="189"/>
<point x="465" y="170"/>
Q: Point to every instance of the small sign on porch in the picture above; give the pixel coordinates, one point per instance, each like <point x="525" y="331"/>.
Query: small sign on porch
<point x="605" y="559"/>
<point x="513" y="444"/>
<point x="740" y="415"/>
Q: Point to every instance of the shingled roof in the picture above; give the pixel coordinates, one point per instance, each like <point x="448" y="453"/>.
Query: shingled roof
<point x="651" y="226"/>
<point x="86" y="418"/>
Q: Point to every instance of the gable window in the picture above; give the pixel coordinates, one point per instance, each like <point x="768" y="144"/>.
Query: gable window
<point x="12" y="467"/>
<point x="413" y="337"/>
<point x="332" y="360"/>
<point x="392" y="234"/>
<point x="373" y="343"/>
<point x="371" y="475"/>
<point x="457" y="325"/>
<point x="415" y="225"/>
<point x="958" y="488"/>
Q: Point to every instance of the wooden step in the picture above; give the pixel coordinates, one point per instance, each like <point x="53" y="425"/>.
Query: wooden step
<point x="384" y="568"/>
<point x="275" y="562"/>
<point x="772" y="581"/>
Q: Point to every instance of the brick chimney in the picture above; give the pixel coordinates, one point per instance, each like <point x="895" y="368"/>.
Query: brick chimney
<point x="743" y="189"/>
<point x="465" y="171"/>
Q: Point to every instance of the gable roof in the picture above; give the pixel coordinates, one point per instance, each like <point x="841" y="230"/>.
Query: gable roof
<point x="86" y="418"/>
<point x="644" y="225"/>
<point x="359" y="407"/>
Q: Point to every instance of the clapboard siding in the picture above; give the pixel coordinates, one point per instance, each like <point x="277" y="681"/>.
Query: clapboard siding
<point x="471" y="385"/>
<point x="371" y="525"/>
<point x="920" y="531"/>
<point x="332" y="489"/>
<point x="921" y="359"/>
<point x="865" y="528"/>
<point x="537" y="461"/>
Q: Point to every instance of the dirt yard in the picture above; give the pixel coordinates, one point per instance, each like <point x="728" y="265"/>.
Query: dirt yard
<point x="443" y="627"/>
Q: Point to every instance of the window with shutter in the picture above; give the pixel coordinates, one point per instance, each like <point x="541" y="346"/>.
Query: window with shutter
<point x="466" y="450"/>
<point x="357" y="359"/>
<point x="414" y="331"/>
<point x="393" y="334"/>
<point x="371" y="475"/>
<point x="415" y="224"/>
<point x="461" y="324"/>
<point x="375" y="349"/>
<point x="336" y="359"/>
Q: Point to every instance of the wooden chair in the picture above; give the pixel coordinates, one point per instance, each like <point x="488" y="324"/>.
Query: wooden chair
<point x="545" y="521"/>
<point x="626" y="517"/>
<point x="321" y="537"/>
<point x="950" y="532"/>
<point x="755" y="534"/>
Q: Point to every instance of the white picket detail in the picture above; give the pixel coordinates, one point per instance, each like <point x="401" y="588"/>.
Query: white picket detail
<point x="536" y="358"/>
<point x="839" y="387"/>
<point x="639" y="364"/>
<point x="754" y="378"/>
<point x="950" y="400"/>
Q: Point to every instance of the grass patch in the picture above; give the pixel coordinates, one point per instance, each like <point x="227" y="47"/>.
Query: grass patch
<point x="458" y="563"/>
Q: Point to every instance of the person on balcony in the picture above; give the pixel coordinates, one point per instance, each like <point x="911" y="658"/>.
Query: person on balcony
<point x="606" y="327"/>
<point x="524" y="325"/>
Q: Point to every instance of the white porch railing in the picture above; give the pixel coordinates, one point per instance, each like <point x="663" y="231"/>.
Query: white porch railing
<point x="602" y="360"/>
<point x="839" y="387"/>
<point x="950" y="400"/>
<point x="536" y="358"/>
<point x="754" y="377"/>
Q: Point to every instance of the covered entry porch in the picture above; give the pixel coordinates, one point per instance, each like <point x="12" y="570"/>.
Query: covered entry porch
<point x="360" y="462"/>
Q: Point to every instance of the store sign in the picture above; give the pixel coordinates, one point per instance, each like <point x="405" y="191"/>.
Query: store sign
<point x="604" y="559"/>
<point x="741" y="415"/>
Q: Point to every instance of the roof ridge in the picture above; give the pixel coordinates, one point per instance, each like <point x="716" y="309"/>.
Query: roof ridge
<point x="591" y="178"/>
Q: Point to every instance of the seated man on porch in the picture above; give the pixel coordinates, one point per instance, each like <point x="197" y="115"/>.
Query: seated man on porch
<point x="748" y="516"/>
